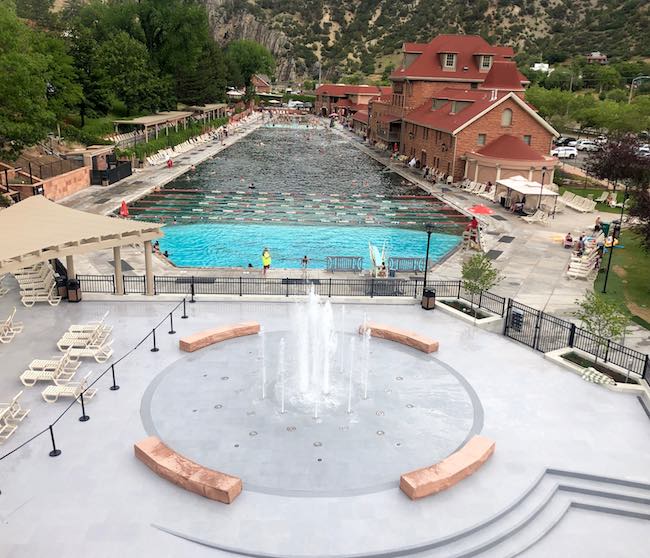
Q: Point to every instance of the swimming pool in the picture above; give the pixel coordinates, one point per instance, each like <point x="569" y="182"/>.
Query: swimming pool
<point x="237" y="245"/>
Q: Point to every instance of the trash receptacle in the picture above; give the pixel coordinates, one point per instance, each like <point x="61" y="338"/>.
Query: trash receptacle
<point x="62" y="286"/>
<point x="74" y="291"/>
<point x="429" y="299"/>
<point x="391" y="273"/>
<point x="605" y="228"/>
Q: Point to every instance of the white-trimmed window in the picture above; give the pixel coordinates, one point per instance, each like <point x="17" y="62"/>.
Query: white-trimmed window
<point x="506" y="118"/>
<point x="481" y="139"/>
<point x="486" y="62"/>
<point x="450" y="60"/>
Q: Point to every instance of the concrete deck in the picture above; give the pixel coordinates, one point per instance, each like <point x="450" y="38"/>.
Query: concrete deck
<point x="573" y="462"/>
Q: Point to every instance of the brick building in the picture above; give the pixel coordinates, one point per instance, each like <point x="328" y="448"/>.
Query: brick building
<point x="261" y="83"/>
<point x="448" y="61"/>
<point x="346" y="99"/>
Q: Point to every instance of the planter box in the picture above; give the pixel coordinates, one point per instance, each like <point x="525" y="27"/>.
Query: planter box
<point x="492" y="322"/>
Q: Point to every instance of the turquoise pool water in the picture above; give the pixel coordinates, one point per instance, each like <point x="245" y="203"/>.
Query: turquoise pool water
<point x="237" y="245"/>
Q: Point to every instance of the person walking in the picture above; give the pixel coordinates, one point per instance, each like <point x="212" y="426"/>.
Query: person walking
<point x="266" y="260"/>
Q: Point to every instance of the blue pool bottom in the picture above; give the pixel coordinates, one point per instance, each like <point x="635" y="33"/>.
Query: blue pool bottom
<point x="237" y="245"/>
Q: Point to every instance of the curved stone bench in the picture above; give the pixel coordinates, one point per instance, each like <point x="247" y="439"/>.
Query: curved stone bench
<point x="450" y="471"/>
<point x="173" y="467"/>
<point x="202" y="339"/>
<point x="410" y="338"/>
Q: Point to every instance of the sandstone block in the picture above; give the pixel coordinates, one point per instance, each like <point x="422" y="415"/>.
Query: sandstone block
<point x="403" y="336"/>
<point x="202" y="339"/>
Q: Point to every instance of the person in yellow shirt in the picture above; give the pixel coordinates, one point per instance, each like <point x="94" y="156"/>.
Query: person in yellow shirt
<point x="266" y="260"/>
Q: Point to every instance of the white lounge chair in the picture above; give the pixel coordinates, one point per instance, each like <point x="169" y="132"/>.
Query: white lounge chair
<point x="602" y="198"/>
<point x="534" y="218"/>
<point x="6" y="427"/>
<point x="59" y="376"/>
<point x="100" y="352"/>
<point x="9" y="328"/>
<point x="15" y="412"/>
<point x="51" y="394"/>
<point x="90" y="326"/>
<point x="3" y="289"/>
<point x="31" y="297"/>
<point x="81" y="340"/>
<point x="55" y="363"/>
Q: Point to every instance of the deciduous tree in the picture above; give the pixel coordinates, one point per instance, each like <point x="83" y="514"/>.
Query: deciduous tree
<point x="602" y="318"/>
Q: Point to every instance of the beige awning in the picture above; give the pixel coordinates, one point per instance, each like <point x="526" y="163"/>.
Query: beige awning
<point x="36" y="230"/>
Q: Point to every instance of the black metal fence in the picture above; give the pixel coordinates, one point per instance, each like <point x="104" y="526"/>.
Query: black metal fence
<point x="544" y="332"/>
<point x="112" y="174"/>
<point x="43" y="171"/>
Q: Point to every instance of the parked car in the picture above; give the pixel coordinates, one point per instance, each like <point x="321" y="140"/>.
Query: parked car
<point x="587" y="145"/>
<point x="644" y="151"/>
<point x="565" y="152"/>
<point x="601" y="140"/>
<point x="564" y="141"/>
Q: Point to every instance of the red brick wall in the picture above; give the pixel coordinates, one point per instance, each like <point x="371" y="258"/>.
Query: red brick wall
<point x="416" y="93"/>
<point x="437" y="145"/>
<point x="66" y="184"/>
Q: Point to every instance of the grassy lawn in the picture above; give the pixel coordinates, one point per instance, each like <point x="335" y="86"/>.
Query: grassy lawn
<point x="595" y="193"/>
<point x="629" y="278"/>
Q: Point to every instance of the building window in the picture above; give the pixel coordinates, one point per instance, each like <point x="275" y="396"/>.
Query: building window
<point x="486" y="62"/>
<point x="450" y="60"/>
<point x="527" y="139"/>
<point x="506" y="118"/>
<point x="481" y="139"/>
<point x="474" y="85"/>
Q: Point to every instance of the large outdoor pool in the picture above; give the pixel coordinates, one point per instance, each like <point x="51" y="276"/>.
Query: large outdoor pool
<point x="237" y="245"/>
<point x="297" y="191"/>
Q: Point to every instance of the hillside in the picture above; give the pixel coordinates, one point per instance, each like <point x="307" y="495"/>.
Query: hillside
<point x="362" y="36"/>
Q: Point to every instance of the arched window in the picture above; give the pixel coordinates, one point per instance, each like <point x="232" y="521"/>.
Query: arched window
<point x="506" y="118"/>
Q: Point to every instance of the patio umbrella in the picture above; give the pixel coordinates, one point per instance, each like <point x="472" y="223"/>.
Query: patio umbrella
<point x="124" y="210"/>
<point x="481" y="210"/>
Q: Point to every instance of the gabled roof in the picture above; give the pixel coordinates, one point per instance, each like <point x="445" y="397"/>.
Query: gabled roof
<point x="341" y="89"/>
<point x="480" y="103"/>
<point x="263" y="77"/>
<point x="510" y="147"/>
<point x="503" y="76"/>
<point x="413" y="48"/>
<point x="361" y="116"/>
<point x="466" y="47"/>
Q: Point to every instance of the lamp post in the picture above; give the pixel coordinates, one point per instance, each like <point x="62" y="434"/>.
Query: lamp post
<point x="429" y="229"/>
<point x="615" y="234"/>
<point x="541" y="188"/>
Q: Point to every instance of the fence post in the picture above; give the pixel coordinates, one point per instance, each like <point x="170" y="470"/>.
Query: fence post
<point x="507" y="318"/>
<point x="607" y="350"/>
<point x="240" y="287"/>
<point x="537" y="326"/>
<point x="84" y="417"/>
<point x="55" y="452"/>
<point x="372" y="287"/>
<point x="480" y="299"/>
<point x="646" y="366"/>
<point x="287" y="280"/>
<point x="113" y="281"/>
<point x="572" y="335"/>
<point x="329" y="293"/>
<point x="459" y="284"/>
<point x="192" y="289"/>
<point x="154" y="349"/>
<point x="114" y="387"/>
<point x="184" y="316"/>
<point x="171" y="323"/>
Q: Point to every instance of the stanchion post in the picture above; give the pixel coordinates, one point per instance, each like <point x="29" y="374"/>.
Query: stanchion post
<point x="154" y="349"/>
<point x="171" y="323"/>
<point x="184" y="316"/>
<point x="55" y="452"/>
<point x="192" y="291"/>
<point x="84" y="417"/>
<point x="114" y="387"/>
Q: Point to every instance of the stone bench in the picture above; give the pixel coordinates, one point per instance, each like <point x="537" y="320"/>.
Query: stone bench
<point x="202" y="339"/>
<point x="450" y="471"/>
<point x="410" y="338"/>
<point x="173" y="467"/>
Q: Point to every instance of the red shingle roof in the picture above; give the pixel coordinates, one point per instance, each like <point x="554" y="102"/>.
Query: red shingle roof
<point x="466" y="47"/>
<point x="442" y="118"/>
<point x="387" y="118"/>
<point x="510" y="147"/>
<point x="361" y="116"/>
<point x="341" y="89"/>
<point x="414" y="48"/>
<point x="503" y="76"/>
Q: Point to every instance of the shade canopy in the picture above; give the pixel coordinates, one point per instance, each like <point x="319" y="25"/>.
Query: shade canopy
<point x="36" y="230"/>
<point x="525" y="187"/>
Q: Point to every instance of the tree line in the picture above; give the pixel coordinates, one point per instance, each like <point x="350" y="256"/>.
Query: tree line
<point x="124" y="57"/>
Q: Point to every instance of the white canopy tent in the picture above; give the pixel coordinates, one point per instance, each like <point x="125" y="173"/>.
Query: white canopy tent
<point x="37" y="230"/>
<point x="518" y="189"/>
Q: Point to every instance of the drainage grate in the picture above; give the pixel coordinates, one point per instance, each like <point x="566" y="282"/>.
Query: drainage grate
<point x="493" y="254"/>
<point x="507" y="239"/>
<point x="498" y="217"/>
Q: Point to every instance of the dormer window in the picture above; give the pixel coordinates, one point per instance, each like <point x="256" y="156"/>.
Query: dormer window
<point x="486" y="62"/>
<point x="449" y="60"/>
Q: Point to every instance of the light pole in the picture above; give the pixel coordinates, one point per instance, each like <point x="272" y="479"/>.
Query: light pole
<point x="637" y="78"/>
<point x="429" y="229"/>
<point x="541" y="188"/>
<point x="615" y="234"/>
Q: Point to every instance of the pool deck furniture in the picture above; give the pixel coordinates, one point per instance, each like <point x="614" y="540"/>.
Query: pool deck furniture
<point x="59" y="375"/>
<point x="51" y="394"/>
<point x="403" y="336"/>
<point x="9" y="328"/>
<point x="208" y="337"/>
<point x="91" y="326"/>
<point x="15" y="412"/>
<point x="448" y="472"/>
<point x="100" y="351"/>
<point x="191" y="476"/>
<point x="54" y="363"/>
<point x="344" y="264"/>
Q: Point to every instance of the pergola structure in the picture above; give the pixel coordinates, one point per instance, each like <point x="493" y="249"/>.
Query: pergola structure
<point x="210" y="111"/>
<point x="37" y="230"/>
<point x="155" y="122"/>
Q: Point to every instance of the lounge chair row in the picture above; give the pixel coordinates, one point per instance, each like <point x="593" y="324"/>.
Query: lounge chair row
<point x="577" y="203"/>
<point x="539" y="216"/>
<point x="585" y="265"/>
<point x="37" y="284"/>
<point x="10" y="415"/>
<point x="3" y="289"/>
<point x="9" y="328"/>
<point x="165" y="154"/>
